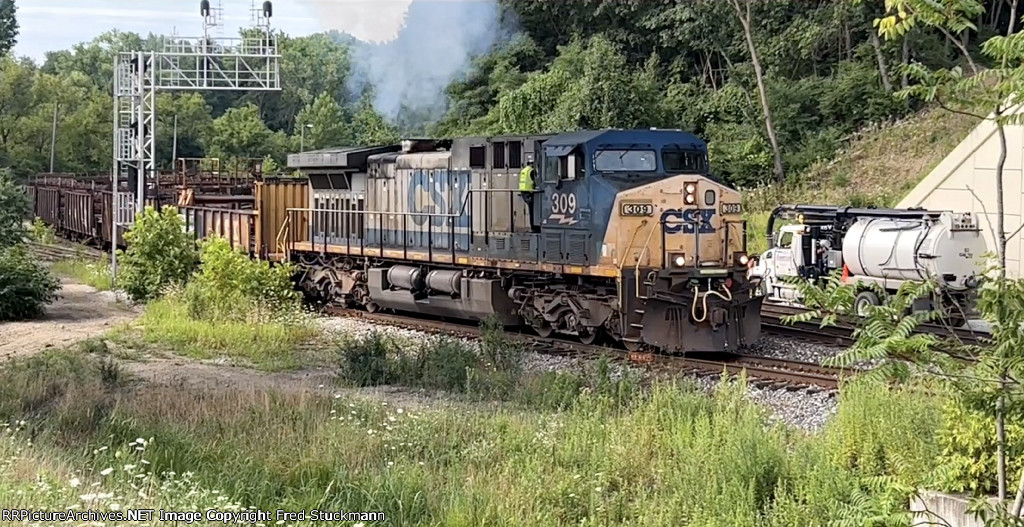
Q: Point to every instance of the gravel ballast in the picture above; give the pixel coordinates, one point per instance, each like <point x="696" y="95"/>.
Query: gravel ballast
<point x="805" y="409"/>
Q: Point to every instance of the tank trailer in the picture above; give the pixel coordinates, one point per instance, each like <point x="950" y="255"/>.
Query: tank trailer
<point x="886" y="247"/>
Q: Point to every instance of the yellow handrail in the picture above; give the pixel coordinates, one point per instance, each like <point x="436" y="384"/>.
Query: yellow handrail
<point x="282" y="234"/>
<point x="643" y="252"/>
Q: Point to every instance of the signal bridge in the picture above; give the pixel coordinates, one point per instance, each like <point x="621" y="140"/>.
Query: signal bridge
<point x="250" y="62"/>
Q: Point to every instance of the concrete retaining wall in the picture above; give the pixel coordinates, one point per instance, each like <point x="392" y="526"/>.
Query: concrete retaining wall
<point x="937" y="508"/>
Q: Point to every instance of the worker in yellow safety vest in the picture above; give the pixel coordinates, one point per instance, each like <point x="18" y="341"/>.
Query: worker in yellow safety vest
<point x="527" y="185"/>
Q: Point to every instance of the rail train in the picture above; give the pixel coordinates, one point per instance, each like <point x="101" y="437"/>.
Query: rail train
<point x="629" y="238"/>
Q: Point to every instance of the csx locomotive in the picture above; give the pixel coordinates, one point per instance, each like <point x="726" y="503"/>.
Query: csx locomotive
<point x="629" y="239"/>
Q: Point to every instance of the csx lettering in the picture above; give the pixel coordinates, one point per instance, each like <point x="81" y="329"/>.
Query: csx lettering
<point x="430" y="194"/>
<point x="688" y="221"/>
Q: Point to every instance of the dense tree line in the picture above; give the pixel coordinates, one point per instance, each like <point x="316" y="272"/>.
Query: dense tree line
<point x="314" y="109"/>
<point x="773" y="85"/>
<point x="704" y="65"/>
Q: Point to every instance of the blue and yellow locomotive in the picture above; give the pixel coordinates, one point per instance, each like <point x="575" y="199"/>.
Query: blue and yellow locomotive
<point x="629" y="238"/>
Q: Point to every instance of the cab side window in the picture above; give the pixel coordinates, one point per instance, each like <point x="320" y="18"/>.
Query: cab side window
<point x="786" y="240"/>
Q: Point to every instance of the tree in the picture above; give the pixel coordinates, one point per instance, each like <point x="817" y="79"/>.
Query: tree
<point x="369" y="127"/>
<point x="742" y="8"/>
<point x="13" y="207"/>
<point x="160" y="253"/>
<point x="194" y="124"/>
<point x="588" y="86"/>
<point x="992" y="90"/>
<point x="329" y="124"/>
<point x="239" y="133"/>
<point x="953" y="18"/>
<point x="979" y="376"/>
<point x="8" y="26"/>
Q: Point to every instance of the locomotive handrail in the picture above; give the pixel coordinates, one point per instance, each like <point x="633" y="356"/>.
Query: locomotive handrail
<point x="406" y="215"/>
<point x="636" y="273"/>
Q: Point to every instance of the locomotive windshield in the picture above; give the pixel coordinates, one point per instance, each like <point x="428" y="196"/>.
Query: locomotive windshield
<point x="688" y="161"/>
<point x="626" y="161"/>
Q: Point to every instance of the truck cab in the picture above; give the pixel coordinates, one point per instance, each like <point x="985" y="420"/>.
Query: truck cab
<point x="789" y="255"/>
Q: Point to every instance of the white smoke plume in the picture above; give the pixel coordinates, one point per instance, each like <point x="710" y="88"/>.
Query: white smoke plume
<point x="412" y="49"/>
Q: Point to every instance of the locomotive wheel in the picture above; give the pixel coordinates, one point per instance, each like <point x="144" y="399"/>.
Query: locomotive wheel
<point x="590" y="338"/>
<point x="633" y="346"/>
<point x="544" y="330"/>
<point x="864" y="301"/>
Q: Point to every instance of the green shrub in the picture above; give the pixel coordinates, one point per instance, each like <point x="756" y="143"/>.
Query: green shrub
<point x="365" y="360"/>
<point x="232" y="286"/>
<point x="26" y="287"/>
<point x="160" y="253"/>
<point x="13" y="207"/>
<point x="497" y="350"/>
<point x="443" y="363"/>
<point x="43" y="233"/>
<point x="968" y="443"/>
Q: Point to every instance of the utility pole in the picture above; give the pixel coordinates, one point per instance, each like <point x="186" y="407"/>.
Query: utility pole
<point x="174" y="149"/>
<point x="53" y="137"/>
<point x="302" y="137"/>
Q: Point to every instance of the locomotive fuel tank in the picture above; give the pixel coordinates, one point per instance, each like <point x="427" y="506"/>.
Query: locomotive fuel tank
<point x="406" y="277"/>
<point x="949" y="250"/>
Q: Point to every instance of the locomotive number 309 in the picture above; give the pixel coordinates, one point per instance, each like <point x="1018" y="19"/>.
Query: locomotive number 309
<point x="563" y="203"/>
<point x="637" y="209"/>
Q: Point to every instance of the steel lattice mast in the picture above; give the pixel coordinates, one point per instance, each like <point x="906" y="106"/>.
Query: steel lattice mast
<point x="248" y="63"/>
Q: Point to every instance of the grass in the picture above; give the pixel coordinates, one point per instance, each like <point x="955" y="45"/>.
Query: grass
<point x="670" y="457"/>
<point x="267" y="345"/>
<point x="95" y="274"/>
<point x="878" y="168"/>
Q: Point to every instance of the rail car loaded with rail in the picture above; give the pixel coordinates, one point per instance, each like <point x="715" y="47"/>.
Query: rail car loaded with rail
<point x="630" y="238"/>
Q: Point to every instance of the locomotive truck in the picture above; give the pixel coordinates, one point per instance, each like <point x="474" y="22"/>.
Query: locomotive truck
<point x="630" y="238"/>
<point x="885" y="247"/>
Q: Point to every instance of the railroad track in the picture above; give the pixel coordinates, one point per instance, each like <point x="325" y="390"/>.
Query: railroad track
<point x="842" y="333"/>
<point x="761" y="371"/>
<point x="53" y="253"/>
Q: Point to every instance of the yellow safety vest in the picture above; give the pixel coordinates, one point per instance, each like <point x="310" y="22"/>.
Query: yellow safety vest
<point x="526" y="179"/>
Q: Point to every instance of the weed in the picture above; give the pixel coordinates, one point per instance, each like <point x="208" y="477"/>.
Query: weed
<point x="42" y="233"/>
<point x="95" y="274"/>
<point x="269" y="346"/>
<point x="498" y="351"/>
<point x="671" y="457"/>
<point x="94" y="346"/>
<point x="365" y="360"/>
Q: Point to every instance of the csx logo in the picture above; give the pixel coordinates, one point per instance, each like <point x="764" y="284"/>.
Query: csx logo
<point x="688" y="221"/>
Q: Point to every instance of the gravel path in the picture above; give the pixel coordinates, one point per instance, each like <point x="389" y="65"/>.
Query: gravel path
<point x="800" y="408"/>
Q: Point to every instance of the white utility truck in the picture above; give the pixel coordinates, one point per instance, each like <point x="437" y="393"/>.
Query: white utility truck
<point x="886" y="247"/>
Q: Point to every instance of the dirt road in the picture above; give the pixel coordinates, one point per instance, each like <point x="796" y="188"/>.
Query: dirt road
<point x="81" y="312"/>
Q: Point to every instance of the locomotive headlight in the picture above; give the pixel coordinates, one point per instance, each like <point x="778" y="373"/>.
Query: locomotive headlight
<point x="678" y="259"/>
<point x="690" y="199"/>
<point x="744" y="259"/>
<point x="691" y="188"/>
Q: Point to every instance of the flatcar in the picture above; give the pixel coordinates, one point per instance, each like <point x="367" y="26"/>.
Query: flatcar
<point x="629" y="238"/>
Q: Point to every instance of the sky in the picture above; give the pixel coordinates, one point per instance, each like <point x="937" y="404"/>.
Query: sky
<point x="49" y="25"/>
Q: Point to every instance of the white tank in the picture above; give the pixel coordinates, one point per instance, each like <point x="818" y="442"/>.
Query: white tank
<point x="949" y="250"/>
